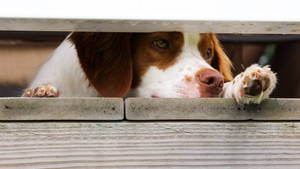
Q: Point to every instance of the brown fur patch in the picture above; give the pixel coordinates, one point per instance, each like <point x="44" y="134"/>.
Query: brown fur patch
<point x="218" y="59"/>
<point x="223" y="60"/>
<point x="106" y="60"/>
<point x="187" y="78"/>
<point x="204" y="44"/>
<point x="146" y="54"/>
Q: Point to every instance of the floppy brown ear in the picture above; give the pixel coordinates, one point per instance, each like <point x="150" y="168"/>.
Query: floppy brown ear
<point x="106" y="61"/>
<point x="222" y="62"/>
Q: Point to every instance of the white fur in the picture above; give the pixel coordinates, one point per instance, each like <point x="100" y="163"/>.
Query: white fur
<point x="63" y="71"/>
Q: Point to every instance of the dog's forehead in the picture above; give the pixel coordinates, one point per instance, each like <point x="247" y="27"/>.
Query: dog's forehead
<point x="193" y="44"/>
<point x="191" y="54"/>
<point x="196" y="42"/>
<point x="192" y="39"/>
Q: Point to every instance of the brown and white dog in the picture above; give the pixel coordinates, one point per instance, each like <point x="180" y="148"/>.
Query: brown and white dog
<point x="160" y="64"/>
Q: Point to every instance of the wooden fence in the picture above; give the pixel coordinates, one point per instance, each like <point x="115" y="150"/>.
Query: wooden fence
<point x="150" y="133"/>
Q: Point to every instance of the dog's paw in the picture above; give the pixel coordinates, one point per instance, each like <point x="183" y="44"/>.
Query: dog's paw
<point x="44" y="90"/>
<point x="254" y="84"/>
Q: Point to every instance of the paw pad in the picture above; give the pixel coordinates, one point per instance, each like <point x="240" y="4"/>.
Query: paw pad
<point x="253" y="85"/>
<point x="259" y="82"/>
<point x="254" y="88"/>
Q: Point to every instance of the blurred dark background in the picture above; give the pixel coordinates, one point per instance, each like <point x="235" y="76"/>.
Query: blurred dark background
<point x="21" y="54"/>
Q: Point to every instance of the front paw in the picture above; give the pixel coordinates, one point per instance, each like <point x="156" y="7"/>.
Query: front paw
<point x="254" y="84"/>
<point x="44" y="90"/>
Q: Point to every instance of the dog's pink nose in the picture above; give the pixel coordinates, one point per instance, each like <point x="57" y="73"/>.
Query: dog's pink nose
<point x="211" y="82"/>
<point x="211" y="78"/>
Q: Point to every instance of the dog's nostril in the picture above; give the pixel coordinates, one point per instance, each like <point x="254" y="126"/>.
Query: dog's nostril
<point x="210" y="80"/>
<point x="221" y="84"/>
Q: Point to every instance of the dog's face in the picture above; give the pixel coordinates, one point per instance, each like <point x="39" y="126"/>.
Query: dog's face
<point x="177" y="65"/>
<point x="163" y="64"/>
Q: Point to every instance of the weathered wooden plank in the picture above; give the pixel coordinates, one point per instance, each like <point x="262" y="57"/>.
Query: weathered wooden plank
<point x="103" y="25"/>
<point x="145" y="109"/>
<point x="61" y="109"/>
<point x="210" y="109"/>
<point x="229" y="16"/>
<point x="150" y="145"/>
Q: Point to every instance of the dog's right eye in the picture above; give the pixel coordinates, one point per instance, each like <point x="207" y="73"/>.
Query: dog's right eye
<point x="161" y="43"/>
<point x="208" y="53"/>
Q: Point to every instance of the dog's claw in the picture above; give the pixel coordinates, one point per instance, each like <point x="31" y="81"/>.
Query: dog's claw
<point x="45" y="90"/>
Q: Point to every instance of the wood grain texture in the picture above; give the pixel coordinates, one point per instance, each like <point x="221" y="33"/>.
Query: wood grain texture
<point x="137" y="25"/>
<point x="228" y="16"/>
<point x="210" y="109"/>
<point x="61" y="109"/>
<point x="145" y="109"/>
<point x="136" y="145"/>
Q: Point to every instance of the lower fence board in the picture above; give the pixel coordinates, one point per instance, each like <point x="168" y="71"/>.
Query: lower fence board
<point x="217" y="109"/>
<point x="150" y="145"/>
<point x="61" y="109"/>
<point x="210" y="109"/>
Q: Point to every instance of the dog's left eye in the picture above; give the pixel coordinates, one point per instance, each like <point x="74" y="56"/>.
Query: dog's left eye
<point x="161" y="43"/>
<point x="208" y="53"/>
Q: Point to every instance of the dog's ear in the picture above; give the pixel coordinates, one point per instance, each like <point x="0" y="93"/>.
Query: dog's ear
<point x="221" y="61"/>
<point x="106" y="60"/>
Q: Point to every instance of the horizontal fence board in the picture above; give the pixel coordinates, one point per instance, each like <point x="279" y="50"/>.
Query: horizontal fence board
<point x="103" y="25"/>
<point x="210" y="109"/>
<point x="146" y="109"/>
<point x="231" y="16"/>
<point x="231" y="145"/>
<point x="61" y="109"/>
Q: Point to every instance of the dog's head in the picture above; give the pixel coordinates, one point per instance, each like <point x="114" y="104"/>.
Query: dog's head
<point x="162" y="64"/>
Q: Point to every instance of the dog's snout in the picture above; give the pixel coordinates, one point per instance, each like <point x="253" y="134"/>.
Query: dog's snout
<point x="211" y="82"/>
<point x="211" y="78"/>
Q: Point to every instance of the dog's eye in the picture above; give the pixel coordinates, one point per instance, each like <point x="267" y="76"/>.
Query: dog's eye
<point x="208" y="53"/>
<point x="161" y="43"/>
